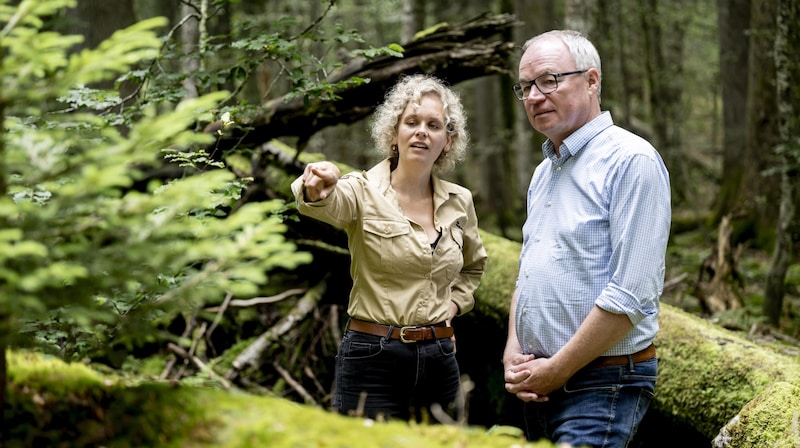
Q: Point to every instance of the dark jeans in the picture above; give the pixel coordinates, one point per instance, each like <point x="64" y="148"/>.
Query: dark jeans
<point x="377" y="377"/>
<point x="598" y="407"/>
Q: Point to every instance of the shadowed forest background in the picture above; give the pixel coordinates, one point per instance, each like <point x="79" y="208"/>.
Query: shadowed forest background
<point x="146" y="225"/>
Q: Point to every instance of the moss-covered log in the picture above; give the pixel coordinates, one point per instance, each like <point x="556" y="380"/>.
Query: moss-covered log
<point x="708" y="375"/>
<point x="54" y="404"/>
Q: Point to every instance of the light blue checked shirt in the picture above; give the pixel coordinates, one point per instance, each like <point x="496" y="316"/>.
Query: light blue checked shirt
<point x="596" y="234"/>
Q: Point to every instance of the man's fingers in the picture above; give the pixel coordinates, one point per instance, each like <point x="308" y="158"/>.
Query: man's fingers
<point x="512" y="376"/>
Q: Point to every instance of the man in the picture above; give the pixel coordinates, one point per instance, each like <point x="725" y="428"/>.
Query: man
<point x="584" y="313"/>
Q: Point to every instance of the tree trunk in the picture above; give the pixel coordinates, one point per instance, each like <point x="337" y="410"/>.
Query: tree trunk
<point x="610" y="41"/>
<point x="580" y="16"/>
<point x="97" y="20"/>
<point x="664" y="62"/>
<point x="537" y="16"/>
<point x="787" y="43"/>
<point x="157" y="8"/>
<point x="733" y="21"/>
<point x="191" y="35"/>
<point x="413" y="18"/>
<point x="759" y="192"/>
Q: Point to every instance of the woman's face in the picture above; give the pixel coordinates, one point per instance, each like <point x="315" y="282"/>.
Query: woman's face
<point x="421" y="133"/>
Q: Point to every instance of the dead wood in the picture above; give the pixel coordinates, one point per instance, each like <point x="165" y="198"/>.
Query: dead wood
<point x="295" y="384"/>
<point x="722" y="290"/>
<point x="178" y="350"/>
<point x="253" y="355"/>
<point x="256" y="300"/>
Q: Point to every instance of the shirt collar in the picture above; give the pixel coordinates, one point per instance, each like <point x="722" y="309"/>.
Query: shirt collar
<point x="578" y="139"/>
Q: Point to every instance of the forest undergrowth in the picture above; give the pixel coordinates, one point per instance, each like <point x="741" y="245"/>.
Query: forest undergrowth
<point x="685" y="256"/>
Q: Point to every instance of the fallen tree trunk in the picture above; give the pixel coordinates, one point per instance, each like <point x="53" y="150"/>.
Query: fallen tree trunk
<point x="709" y="375"/>
<point x="52" y="403"/>
<point x="454" y="53"/>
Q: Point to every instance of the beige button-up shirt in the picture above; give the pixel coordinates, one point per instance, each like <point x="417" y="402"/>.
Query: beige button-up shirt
<point x="397" y="278"/>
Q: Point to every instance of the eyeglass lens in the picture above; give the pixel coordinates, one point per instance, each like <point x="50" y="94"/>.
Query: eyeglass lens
<point x="547" y="83"/>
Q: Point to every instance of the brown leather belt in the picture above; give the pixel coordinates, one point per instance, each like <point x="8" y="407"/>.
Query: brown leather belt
<point x="621" y="360"/>
<point x="414" y="333"/>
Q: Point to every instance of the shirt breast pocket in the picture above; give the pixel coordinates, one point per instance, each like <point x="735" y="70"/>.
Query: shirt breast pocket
<point x="387" y="243"/>
<point x="450" y="253"/>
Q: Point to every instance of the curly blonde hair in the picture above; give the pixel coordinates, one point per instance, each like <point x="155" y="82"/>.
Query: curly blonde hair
<point x="411" y="89"/>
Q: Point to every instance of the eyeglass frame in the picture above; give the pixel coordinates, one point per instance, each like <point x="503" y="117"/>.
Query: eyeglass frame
<point x="518" y="86"/>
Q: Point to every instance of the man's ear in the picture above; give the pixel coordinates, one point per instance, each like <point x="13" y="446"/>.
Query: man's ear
<point x="594" y="79"/>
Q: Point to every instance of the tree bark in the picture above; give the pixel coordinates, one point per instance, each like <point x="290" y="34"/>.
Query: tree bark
<point x="664" y="28"/>
<point x="787" y="42"/>
<point x="413" y="18"/>
<point x="733" y="21"/>
<point x="537" y="16"/>
<point x="759" y="194"/>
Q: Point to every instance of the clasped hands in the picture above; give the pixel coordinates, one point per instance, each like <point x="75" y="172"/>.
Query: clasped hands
<point x="319" y="180"/>
<point x="531" y="378"/>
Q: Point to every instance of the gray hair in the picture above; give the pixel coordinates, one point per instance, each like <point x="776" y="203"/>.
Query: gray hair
<point x="410" y="90"/>
<point x="583" y="52"/>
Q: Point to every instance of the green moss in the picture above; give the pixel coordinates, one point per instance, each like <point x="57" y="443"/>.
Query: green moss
<point x="497" y="284"/>
<point x="793" y="275"/>
<point x="707" y="374"/>
<point x="768" y="420"/>
<point x="274" y="422"/>
<point x="51" y="403"/>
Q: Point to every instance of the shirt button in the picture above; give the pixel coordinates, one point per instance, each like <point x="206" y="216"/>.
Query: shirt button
<point x="558" y="169"/>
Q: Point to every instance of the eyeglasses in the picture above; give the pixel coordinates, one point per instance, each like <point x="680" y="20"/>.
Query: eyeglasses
<point x="547" y="83"/>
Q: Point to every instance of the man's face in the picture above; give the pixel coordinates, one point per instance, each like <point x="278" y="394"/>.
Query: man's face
<point x="561" y="112"/>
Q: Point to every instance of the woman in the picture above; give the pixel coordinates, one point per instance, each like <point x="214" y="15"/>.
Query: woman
<point x="416" y="256"/>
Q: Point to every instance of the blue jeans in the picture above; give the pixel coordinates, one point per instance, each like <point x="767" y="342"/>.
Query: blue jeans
<point x="378" y="377"/>
<point x="597" y="407"/>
